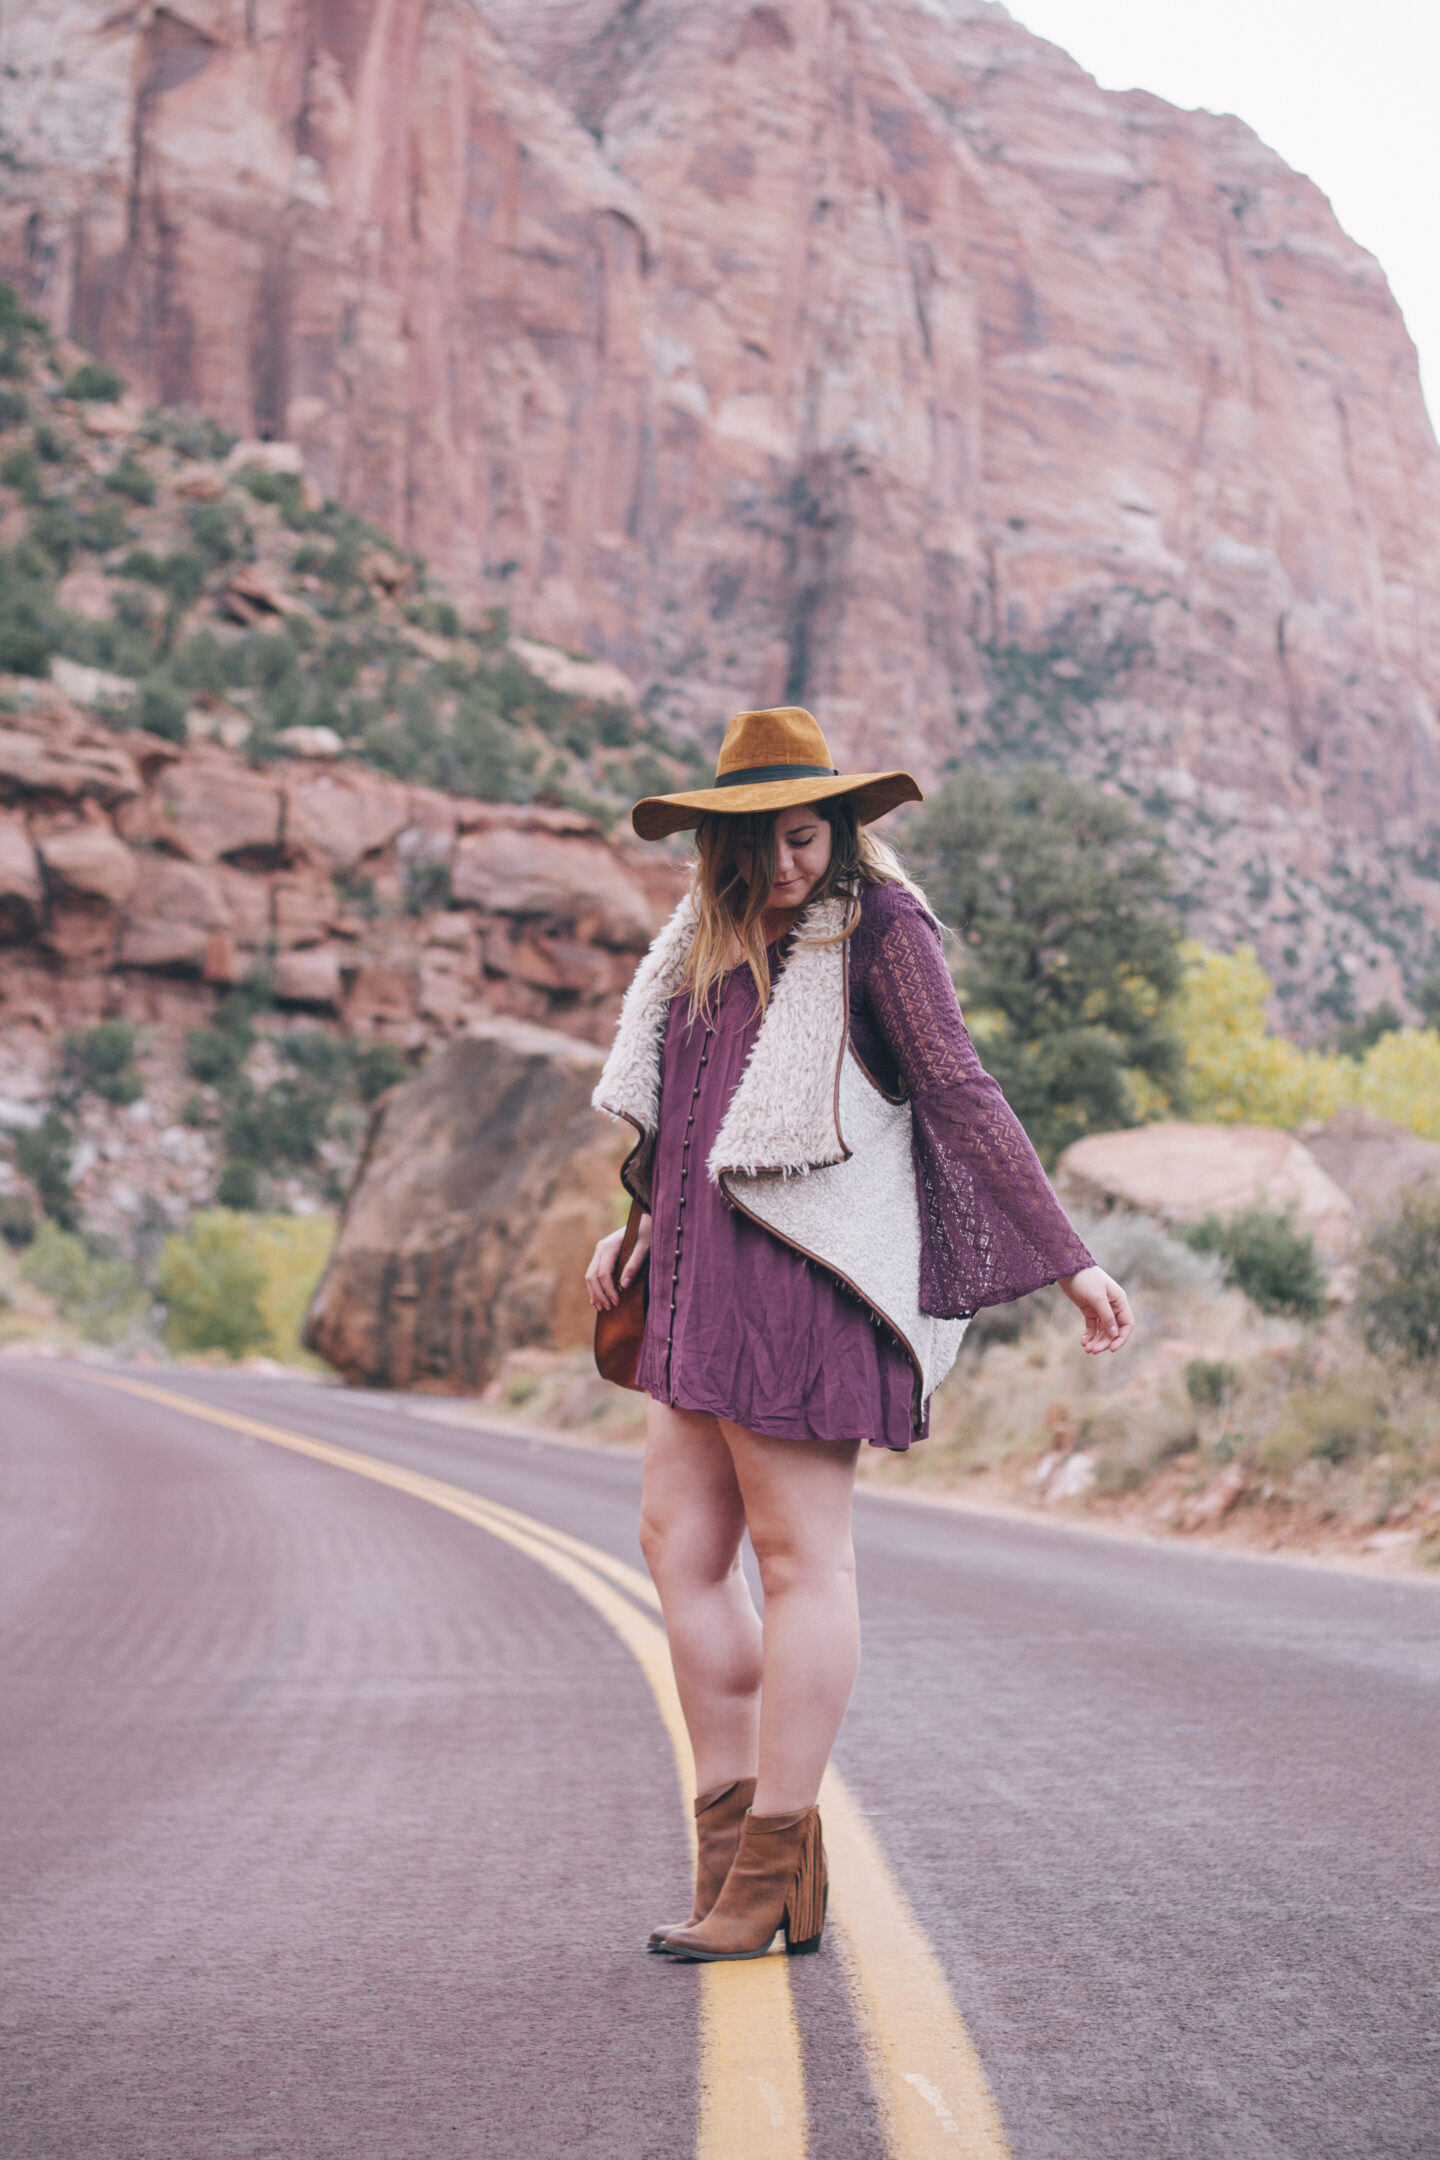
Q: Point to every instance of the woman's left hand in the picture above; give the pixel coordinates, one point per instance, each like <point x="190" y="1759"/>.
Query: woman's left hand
<point x="1109" y="1322"/>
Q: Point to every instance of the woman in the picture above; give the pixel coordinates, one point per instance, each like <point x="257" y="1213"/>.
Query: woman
<point x="831" y="1186"/>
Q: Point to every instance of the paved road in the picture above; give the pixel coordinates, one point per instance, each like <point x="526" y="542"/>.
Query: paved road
<point x="329" y="1825"/>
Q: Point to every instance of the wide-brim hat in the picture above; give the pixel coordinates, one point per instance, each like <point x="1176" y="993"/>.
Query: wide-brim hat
<point x="771" y="760"/>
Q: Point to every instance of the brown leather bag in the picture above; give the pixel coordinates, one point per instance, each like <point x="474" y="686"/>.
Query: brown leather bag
<point x="618" y="1333"/>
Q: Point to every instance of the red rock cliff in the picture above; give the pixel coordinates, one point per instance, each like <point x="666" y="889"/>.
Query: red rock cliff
<point x="862" y="353"/>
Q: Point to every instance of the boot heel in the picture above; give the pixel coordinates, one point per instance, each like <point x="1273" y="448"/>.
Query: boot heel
<point x="809" y="1895"/>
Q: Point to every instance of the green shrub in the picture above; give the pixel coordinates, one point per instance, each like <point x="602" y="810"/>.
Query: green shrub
<point x="94" y="383"/>
<point x="327" y="1060"/>
<point x="50" y="445"/>
<point x="281" y="1124"/>
<point x="103" y="1059"/>
<point x="17" y="1221"/>
<point x="215" y="1055"/>
<point x="239" y="1186"/>
<point x="191" y="435"/>
<point x="55" y="528"/>
<point x="381" y="1066"/>
<point x="43" y="1155"/>
<point x="1266" y="1257"/>
<point x="103" y="526"/>
<point x="27" y="640"/>
<point x="194" y="1111"/>
<point x="1334" y="1427"/>
<point x="285" y="490"/>
<point x="181" y="573"/>
<point x="14" y="408"/>
<point x="1397" y="1293"/>
<point x="130" y="479"/>
<point x="20" y="469"/>
<point x="1210" y="1383"/>
<point x="92" y="1287"/>
<point x="163" y="708"/>
<point x="211" y="1280"/>
<point x="217" y="530"/>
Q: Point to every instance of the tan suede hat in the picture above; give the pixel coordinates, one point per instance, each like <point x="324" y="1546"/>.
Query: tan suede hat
<point x="768" y="761"/>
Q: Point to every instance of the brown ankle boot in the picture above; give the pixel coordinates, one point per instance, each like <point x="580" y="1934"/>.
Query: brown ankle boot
<point x="718" y="1816"/>
<point x="778" y="1877"/>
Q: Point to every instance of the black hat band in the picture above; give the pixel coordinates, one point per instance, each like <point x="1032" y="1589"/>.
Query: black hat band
<point x="750" y="774"/>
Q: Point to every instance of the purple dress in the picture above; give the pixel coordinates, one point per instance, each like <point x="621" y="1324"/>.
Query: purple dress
<point x="742" y="1326"/>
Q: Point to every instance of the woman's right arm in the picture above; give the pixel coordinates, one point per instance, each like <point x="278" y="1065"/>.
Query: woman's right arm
<point x="600" y="1275"/>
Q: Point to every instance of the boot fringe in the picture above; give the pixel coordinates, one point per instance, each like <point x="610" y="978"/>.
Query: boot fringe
<point x="807" y="1899"/>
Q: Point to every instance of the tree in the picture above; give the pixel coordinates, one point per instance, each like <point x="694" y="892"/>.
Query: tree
<point x="1397" y="1294"/>
<point x="1061" y="898"/>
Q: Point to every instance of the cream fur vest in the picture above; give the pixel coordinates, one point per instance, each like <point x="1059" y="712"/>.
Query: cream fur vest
<point x="810" y="1147"/>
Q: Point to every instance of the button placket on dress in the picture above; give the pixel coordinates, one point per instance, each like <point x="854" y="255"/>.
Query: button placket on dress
<point x="680" y="1210"/>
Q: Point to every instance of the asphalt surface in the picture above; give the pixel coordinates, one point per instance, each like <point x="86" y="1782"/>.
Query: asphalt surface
<point x="331" y="1826"/>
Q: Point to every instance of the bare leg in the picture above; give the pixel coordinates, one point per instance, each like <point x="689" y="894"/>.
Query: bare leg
<point x="691" y="1524"/>
<point x="797" y="1498"/>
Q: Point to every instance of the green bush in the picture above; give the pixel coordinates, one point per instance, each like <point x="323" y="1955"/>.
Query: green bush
<point x="211" y="1280"/>
<point x="181" y="574"/>
<point x="281" y="1124"/>
<point x="20" y="469"/>
<point x="94" y="383"/>
<point x="381" y="1066"/>
<point x="130" y="479"/>
<point x="217" y="530"/>
<point x="55" y="528"/>
<point x="92" y="1287"/>
<point x="285" y="490"/>
<point x="50" y="444"/>
<point x="1266" y="1257"/>
<point x="17" y="1221"/>
<point x="327" y="1060"/>
<point x="43" y="1155"/>
<point x="1335" y="1427"/>
<point x="239" y="1186"/>
<point x="103" y="1059"/>
<point x="27" y="639"/>
<point x="1397" y="1292"/>
<point x="163" y="708"/>
<point x="14" y="408"/>
<point x="1210" y="1383"/>
<point x="103" y="526"/>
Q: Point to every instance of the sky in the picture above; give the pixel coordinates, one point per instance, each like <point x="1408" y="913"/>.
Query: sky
<point x="1349" y="95"/>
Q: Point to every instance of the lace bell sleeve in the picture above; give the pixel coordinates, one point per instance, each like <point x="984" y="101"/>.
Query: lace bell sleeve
<point x="991" y="1228"/>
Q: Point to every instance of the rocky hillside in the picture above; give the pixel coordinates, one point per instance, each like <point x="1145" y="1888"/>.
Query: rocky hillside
<point x="231" y="907"/>
<point x="856" y="351"/>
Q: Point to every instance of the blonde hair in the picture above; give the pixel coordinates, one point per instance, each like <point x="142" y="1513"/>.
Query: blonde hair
<point x="734" y="872"/>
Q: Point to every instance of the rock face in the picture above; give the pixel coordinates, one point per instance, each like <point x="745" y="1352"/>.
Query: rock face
<point x="1178" y="1172"/>
<point x="859" y="352"/>
<point x="204" y="866"/>
<point x="484" y="1186"/>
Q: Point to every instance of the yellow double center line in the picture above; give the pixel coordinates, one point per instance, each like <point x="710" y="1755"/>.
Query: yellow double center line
<point x="934" y="2100"/>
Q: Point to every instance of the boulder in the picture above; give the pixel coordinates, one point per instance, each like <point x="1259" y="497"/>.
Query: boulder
<point x="51" y="752"/>
<point x="305" y="908"/>
<point x="1371" y="1159"/>
<point x="21" y="892"/>
<point x="1179" y="1172"/>
<point x="484" y="1185"/>
<point x="209" y="804"/>
<point x="170" y="915"/>
<point x="310" y="978"/>
<point x="573" y="880"/>
<point x="595" y="679"/>
<point x="337" y="815"/>
<point x="88" y="859"/>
